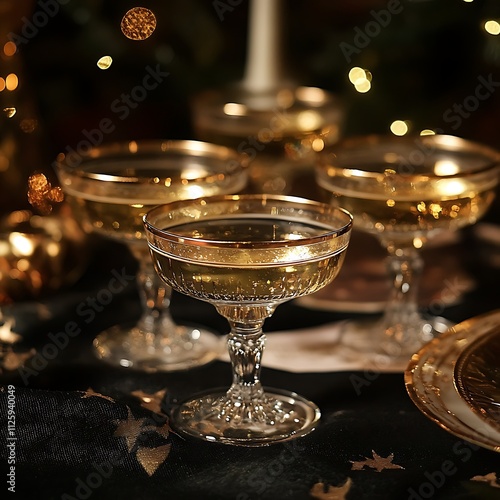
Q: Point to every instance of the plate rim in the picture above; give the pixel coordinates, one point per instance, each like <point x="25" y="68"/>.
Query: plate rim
<point x="458" y="372"/>
<point x="461" y="332"/>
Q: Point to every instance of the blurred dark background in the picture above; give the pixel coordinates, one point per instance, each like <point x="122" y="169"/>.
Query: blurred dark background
<point x="429" y="58"/>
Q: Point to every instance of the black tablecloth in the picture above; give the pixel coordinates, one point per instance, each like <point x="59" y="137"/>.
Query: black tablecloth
<point x="82" y="430"/>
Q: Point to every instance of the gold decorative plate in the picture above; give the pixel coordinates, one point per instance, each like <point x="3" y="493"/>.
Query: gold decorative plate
<point x="477" y="377"/>
<point x="430" y="379"/>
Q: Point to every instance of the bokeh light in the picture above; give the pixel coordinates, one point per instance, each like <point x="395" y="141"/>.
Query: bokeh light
<point x="10" y="112"/>
<point x="363" y="86"/>
<point x="356" y="74"/>
<point x="9" y="49"/>
<point x="399" y="127"/>
<point x="492" y="27"/>
<point x="104" y="62"/>
<point x="361" y="79"/>
<point x="11" y="82"/>
<point x="138" y="23"/>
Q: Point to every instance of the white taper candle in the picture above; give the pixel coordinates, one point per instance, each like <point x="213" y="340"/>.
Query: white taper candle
<point x="263" y="70"/>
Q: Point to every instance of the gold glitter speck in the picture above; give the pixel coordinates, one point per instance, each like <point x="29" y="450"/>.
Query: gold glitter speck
<point x="41" y="194"/>
<point x="138" y="23"/>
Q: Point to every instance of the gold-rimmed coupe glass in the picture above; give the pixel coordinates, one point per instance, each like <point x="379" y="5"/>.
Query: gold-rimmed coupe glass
<point x="280" y="130"/>
<point x="405" y="190"/>
<point x="110" y="189"/>
<point x="246" y="255"/>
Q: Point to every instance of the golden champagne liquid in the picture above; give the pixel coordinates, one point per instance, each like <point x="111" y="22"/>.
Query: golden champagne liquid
<point x="399" y="208"/>
<point x="114" y="208"/>
<point x="121" y="218"/>
<point x="245" y="274"/>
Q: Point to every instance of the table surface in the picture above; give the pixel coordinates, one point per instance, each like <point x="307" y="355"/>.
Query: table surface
<point x="82" y="431"/>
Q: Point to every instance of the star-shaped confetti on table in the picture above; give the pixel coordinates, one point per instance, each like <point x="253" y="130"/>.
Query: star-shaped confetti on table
<point x="152" y="402"/>
<point x="152" y="458"/>
<point x="321" y="492"/>
<point x="490" y="478"/>
<point x="89" y="393"/>
<point x="164" y="430"/>
<point x="377" y="462"/>
<point x="131" y="428"/>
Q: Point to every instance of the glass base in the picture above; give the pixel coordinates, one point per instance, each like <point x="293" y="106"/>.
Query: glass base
<point x="384" y="345"/>
<point x="276" y="417"/>
<point x="134" y="348"/>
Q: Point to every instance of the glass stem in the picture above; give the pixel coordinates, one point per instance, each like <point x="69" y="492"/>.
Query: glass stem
<point x="402" y="318"/>
<point x="155" y="297"/>
<point x="246" y="346"/>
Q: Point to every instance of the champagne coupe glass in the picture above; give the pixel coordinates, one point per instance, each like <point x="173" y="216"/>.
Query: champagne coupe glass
<point x="246" y="254"/>
<point x="405" y="190"/>
<point x="279" y="123"/>
<point x="109" y="190"/>
<point x="280" y="131"/>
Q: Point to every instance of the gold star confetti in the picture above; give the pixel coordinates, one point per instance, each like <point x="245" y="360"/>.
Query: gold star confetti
<point x="377" y="462"/>
<point x="130" y="429"/>
<point x="163" y="431"/>
<point x="490" y="478"/>
<point x="331" y="492"/>
<point x="151" y="402"/>
<point x="138" y="23"/>
<point x="152" y="458"/>
<point x="89" y="393"/>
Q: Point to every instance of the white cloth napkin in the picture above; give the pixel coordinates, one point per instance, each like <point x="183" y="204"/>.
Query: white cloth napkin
<point x="319" y="349"/>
